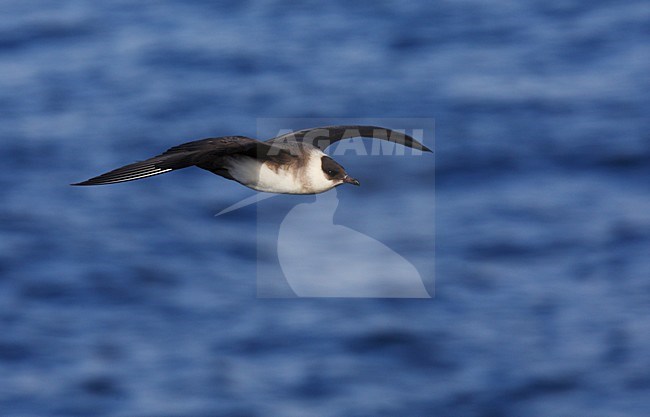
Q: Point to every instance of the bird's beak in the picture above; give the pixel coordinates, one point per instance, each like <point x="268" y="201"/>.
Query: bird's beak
<point x="348" y="179"/>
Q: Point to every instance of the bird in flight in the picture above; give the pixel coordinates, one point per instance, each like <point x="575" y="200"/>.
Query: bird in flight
<point x="293" y="163"/>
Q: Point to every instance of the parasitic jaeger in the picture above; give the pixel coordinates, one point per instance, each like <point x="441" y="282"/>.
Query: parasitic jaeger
<point x="293" y="163"/>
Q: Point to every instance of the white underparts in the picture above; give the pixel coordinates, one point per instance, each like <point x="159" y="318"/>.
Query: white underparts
<point x="292" y="179"/>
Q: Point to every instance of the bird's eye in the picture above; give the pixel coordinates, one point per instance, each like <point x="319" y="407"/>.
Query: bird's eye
<point x="330" y="172"/>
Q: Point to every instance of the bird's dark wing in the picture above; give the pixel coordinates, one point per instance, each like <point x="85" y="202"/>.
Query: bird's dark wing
<point x="202" y="153"/>
<point x="322" y="137"/>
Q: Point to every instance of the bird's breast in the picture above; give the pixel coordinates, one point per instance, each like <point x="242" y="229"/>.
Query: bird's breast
<point x="300" y="177"/>
<point x="265" y="176"/>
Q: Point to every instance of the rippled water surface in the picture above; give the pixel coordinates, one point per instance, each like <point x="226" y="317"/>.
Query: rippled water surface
<point x="134" y="300"/>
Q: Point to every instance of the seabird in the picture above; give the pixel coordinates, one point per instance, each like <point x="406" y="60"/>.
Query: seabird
<point x="293" y="163"/>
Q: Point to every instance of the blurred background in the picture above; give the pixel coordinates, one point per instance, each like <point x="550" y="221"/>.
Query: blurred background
<point x="134" y="300"/>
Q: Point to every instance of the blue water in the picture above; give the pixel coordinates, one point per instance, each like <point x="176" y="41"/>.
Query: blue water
<point x="133" y="300"/>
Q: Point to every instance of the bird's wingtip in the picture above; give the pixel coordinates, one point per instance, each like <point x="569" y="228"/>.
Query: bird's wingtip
<point x="425" y="149"/>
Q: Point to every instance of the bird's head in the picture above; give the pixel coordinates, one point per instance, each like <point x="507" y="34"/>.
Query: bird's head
<point x="335" y="172"/>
